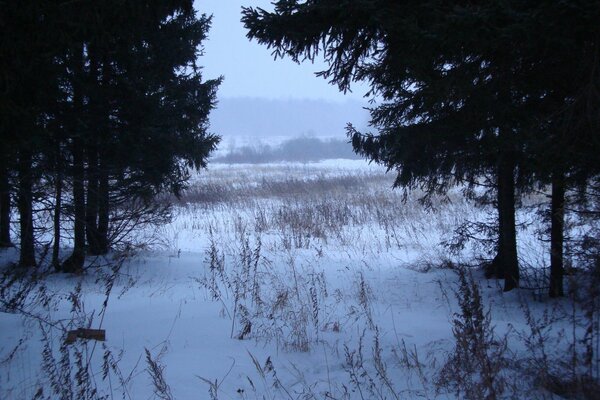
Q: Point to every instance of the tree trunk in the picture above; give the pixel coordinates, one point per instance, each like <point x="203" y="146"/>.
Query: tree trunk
<point x="57" y="213"/>
<point x="91" y="217"/>
<point x="4" y="206"/>
<point x="103" y="207"/>
<point x="75" y="262"/>
<point x="25" y="206"/>
<point x="496" y="268"/>
<point x="103" y="172"/>
<point x="557" y="217"/>
<point x="507" y="243"/>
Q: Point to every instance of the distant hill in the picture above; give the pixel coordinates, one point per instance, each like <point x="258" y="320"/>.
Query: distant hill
<point x="260" y="118"/>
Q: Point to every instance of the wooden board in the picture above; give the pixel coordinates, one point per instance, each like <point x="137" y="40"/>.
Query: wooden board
<point x="87" y="334"/>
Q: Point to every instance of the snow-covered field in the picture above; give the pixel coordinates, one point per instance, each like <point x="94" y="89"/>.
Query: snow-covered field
<point x="275" y="281"/>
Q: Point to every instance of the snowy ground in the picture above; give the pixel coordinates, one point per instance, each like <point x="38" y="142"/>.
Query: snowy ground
<point x="278" y="281"/>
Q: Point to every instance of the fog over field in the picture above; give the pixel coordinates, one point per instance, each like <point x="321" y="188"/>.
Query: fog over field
<point x="245" y="117"/>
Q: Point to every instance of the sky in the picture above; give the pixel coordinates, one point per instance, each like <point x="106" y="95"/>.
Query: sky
<point x="249" y="68"/>
<point x="244" y="119"/>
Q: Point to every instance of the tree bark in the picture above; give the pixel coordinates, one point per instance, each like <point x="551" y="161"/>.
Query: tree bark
<point x="75" y="262"/>
<point x="496" y="268"/>
<point x="57" y="214"/>
<point x="91" y="217"/>
<point x="557" y="216"/>
<point x="507" y="234"/>
<point x="25" y="206"/>
<point x="103" y="172"/>
<point x="103" y="206"/>
<point x="4" y="206"/>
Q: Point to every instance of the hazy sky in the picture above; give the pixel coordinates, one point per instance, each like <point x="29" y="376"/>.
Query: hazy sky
<point x="249" y="68"/>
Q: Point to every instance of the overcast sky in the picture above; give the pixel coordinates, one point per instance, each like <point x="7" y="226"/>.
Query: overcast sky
<point x="249" y="68"/>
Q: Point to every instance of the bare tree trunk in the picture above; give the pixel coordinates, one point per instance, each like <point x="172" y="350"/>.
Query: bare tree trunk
<point x="25" y="206"/>
<point x="103" y="197"/>
<point x="557" y="216"/>
<point x="91" y="218"/>
<point x="507" y="245"/>
<point x="75" y="262"/>
<point x="57" y="214"/>
<point x="103" y="206"/>
<point x="496" y="268"/>
<point x="4" y="206"/>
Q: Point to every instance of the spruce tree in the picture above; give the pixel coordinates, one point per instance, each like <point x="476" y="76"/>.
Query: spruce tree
<point x="468" y="88"/>
<point x="29" y="88"/>
<point x="147" y="108"/>
<point x="104" y="98"/>
<point x="445" y="108"/>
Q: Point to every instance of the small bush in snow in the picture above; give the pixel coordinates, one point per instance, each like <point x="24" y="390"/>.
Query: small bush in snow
<point x="475" y="369"/>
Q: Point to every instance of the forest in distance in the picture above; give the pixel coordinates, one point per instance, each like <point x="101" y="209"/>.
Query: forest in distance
<point x="297" y="149"/>
<point x="303" y="264"/>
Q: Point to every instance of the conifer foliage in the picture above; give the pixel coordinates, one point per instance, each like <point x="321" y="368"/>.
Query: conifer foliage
<point x="506" y="89"/>
<point x="103" y="108"/>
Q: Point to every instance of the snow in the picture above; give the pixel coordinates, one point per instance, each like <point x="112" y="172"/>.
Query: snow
<point x="340" y="264"/>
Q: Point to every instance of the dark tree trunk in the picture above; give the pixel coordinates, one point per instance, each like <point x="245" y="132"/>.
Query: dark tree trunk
<point x="25" y="206"/>
<point x="4" y="206"/>
<point x="75" y="262"/>
<point x="507" y="245"/>
<point x="57" y="213"/>
<point x="102" y="172"/>
<point x="496" y="268"/>
<point x="99" y="118"/>
<point x="557" y="216"/>
<point x="91" y="217"/>
<point x="103" y="207"/>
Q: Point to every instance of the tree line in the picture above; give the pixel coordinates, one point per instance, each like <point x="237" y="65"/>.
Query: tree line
<point x="103" y="108"/>
<point x="299" y="149"/>
<point x="502" y="89"/>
